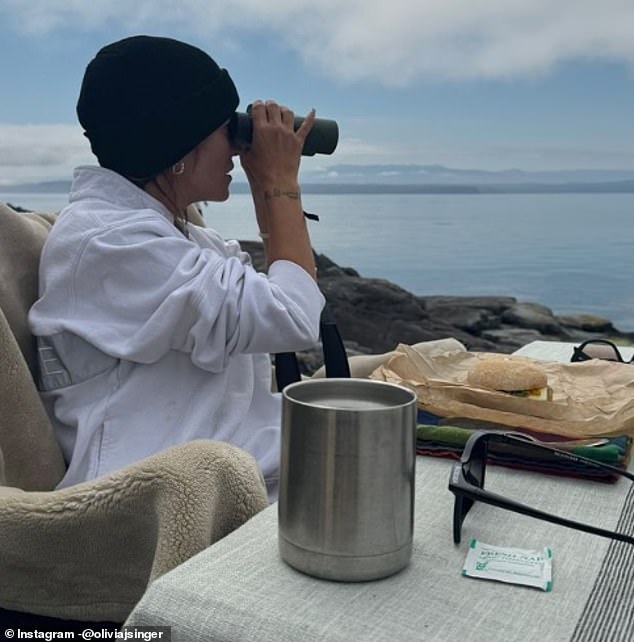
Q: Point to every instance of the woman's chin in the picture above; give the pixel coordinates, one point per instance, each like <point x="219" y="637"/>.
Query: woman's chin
<point x="223" y="194"/>
<point x="218" y="196"/>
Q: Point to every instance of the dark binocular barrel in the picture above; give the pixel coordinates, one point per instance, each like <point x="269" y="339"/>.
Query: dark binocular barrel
<point x="322" y="138"/>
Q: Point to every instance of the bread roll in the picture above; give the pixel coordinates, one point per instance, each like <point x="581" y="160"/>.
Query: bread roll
<point x="507" y="374"/>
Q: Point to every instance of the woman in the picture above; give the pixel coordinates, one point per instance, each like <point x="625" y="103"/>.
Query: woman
<point x="153" y="331"/>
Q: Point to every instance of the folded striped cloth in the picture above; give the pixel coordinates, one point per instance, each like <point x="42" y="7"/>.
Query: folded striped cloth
<point x="446" y="437"/>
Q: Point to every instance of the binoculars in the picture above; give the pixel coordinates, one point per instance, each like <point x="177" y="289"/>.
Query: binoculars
<point x="322" y="138"/>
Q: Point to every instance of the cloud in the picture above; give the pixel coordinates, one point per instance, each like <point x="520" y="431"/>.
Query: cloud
<point x="41" y="152"/>
<point x="392" y="42"/>
<point x="31" y="153"/>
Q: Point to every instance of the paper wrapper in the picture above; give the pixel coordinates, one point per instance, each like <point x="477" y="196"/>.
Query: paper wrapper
<point x="590" y="398"/>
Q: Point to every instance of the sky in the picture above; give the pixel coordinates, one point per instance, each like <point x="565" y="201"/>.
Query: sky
<point x="486" y="84"/>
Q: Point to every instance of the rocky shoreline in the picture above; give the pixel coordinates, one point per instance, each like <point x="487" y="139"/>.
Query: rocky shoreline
<point x="374" y="315"/>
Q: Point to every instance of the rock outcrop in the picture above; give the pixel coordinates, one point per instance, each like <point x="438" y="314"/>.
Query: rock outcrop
<point x="374" y="315"/>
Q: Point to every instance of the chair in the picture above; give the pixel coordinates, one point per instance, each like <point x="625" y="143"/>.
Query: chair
<point x="89" y="551"/>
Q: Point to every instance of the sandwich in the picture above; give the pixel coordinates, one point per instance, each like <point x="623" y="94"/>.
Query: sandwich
<point x="512" y="375"/>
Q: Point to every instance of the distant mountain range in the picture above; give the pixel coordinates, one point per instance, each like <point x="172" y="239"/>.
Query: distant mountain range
<point x="47" y="187"/>
<point x="438" y="174"/>
<point x="422" y="179"/>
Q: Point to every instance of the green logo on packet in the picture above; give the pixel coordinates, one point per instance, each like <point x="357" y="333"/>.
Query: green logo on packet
<point x="512" y="565"/>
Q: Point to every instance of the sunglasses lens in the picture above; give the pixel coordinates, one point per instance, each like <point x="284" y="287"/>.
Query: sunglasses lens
<point x="472" y="472"/>
<point x="474" y="469"/>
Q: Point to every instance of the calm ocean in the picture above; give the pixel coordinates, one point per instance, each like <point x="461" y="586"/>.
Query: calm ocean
<point x="571" y="252"/>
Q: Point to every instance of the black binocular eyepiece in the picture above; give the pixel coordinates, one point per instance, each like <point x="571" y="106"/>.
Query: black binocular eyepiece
<point x="322" y="138"/>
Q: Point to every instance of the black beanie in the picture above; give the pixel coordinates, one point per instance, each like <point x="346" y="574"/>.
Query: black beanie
<point x="145" y="102"/>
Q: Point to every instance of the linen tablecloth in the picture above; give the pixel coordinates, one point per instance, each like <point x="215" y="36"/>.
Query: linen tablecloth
<point x="240" y="590"/>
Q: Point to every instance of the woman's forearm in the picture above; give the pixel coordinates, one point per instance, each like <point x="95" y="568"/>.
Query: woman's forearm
<point x="287" y="231"/>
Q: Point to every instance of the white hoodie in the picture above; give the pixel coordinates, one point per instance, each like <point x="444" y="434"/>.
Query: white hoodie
<point x="148" y="339"/>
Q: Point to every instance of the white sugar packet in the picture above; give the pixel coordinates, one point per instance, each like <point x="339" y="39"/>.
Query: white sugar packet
<point x="513" y="565"/>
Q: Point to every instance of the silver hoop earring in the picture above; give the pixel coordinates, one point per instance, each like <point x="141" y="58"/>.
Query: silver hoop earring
<point x="178" y="168"/>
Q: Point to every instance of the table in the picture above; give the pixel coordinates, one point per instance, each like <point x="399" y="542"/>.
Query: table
<point x="559" y="350"/>
<point x="240" y="590"/>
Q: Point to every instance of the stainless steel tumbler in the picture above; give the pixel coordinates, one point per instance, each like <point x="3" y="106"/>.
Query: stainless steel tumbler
<point x="346" y="502"/>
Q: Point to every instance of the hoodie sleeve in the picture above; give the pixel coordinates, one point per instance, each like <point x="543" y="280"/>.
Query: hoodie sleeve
<point x="137" y="298"/>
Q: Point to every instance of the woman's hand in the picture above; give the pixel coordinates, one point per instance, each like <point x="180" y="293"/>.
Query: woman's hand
<point x="272" y="162"/>
<point x="272" y="166"/>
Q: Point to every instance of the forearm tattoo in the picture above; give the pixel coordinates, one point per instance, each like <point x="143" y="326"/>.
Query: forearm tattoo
<point x="277" y="193"/>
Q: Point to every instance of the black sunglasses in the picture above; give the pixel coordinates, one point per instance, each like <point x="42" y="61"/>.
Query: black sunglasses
<point x="466" y="482"/>
<point x="597" y="349"/>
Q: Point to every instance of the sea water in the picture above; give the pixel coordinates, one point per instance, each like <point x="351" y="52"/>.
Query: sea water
<point x="571" y="252"/>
